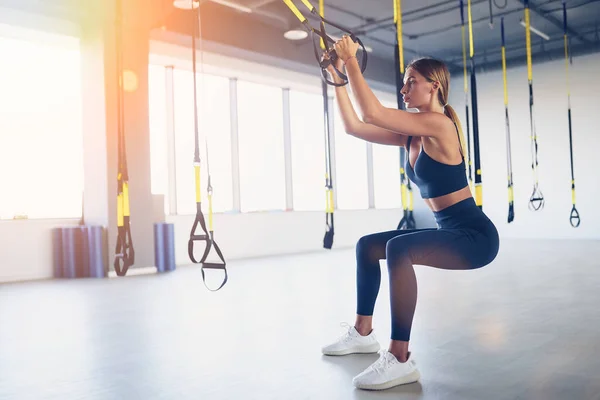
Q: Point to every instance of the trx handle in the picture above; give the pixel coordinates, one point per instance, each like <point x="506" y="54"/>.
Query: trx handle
<point x="209" y="240"/>
<point x="511" y="205"/>
<point x="124" y="251"/>
<point x="207" y="235"/>
<point x="574" y="218"/>
<point x="466" y="90"/>
<point x="325" y="41"/>
<point x="536" y="201"/>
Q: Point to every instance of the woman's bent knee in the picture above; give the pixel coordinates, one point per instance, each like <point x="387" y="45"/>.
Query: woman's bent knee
<point x="397" y="249"/>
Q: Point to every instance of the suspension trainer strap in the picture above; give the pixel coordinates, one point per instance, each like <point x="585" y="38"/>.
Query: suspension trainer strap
<point x="329" y="200"/>
<point x="536" y="201"/>
<point x="574" y="218"/>
<point x="325" y="42"/>
<point x="124" y="252"/>
<point x="466" y="90"/>
<point x="478" y="183"/>
<point x="207" y="235"/>
<point x="511" y="205"/>
<point x="408" y="220"/>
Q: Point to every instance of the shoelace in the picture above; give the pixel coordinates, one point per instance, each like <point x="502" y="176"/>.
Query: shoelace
<point x="346" y="336"/>
<point x="383" y="363"/>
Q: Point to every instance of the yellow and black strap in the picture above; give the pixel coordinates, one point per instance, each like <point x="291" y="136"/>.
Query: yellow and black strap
<point x="326" y="41"/>
<point x="511" y="203"/>
<point x="536" y="201"/>
<point x="478" y="182"/>
<point x="406" y="194"/>
<point x="574" y="218"/>
<point x="329" y="201"/>
<point x="207" y="236"/>
<point x="124" y="252"/>
<point x="466" y="90"/>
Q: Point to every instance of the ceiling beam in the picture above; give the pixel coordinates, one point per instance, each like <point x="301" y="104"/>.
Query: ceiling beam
<point x="556" y="22"/>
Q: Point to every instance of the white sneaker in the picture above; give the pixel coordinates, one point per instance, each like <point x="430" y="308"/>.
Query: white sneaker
<point x="387" y="372"/>
<point x="352" y="342"/>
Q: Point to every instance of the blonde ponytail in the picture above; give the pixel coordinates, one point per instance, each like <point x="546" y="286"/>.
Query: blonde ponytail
<point x="450" y="113"/>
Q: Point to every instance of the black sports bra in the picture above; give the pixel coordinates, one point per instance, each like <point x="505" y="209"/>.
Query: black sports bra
<point x="434" y="178"/>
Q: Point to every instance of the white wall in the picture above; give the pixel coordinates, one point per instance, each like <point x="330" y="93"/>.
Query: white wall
<point x="26" y="249"/>
<point x="550" y="102"/>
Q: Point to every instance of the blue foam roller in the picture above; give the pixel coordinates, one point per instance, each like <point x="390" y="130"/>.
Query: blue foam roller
<point x="58" y="252"/>
<point x="169" y="246"/>
<point x="95" y="254"/>
<point x="83" y="251"/>
<point x="159" y="253"/>
<point x="69" y="262"/>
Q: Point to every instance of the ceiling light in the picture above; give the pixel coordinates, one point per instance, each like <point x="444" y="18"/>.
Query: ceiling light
<point x="230" y="4"/>
<point x="295" y="34"/>
<point x="186" y="4"/>
<point x="537" y="32"/>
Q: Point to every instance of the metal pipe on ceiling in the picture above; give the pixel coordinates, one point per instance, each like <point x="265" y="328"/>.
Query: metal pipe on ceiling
<point x="511" y="48"/>
<point x="374" y="24"/>
<point x="390" y="27"/>
<point x="448" y="28"/>
<point x="502" y="14"/>
<point x="556" y="22"/>
<point x="558" y="53"/>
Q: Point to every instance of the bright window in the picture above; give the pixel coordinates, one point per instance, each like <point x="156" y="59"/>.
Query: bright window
<point x="214" y="123"/>
<point x="386" y="176"/>
<point x="158" y="131"/>
<point x="386" y="173"/>
<point x="262" y="164"/>
<point x="351" y="168"/>
<point x="41" y="148"/>
<point x="308" y="150"/>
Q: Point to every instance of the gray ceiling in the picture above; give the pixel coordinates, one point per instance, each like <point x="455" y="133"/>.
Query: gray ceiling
<point x="430" y="27"/>
<point x="433" y="28"/>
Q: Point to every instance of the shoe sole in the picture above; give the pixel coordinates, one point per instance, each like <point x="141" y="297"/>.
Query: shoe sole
<point x="372" y="348"/>
<point x="403" y="380"/>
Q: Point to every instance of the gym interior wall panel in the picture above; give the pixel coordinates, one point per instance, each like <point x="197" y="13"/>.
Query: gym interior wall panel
<point x="550" y="103"/>
<point x="26" y="251"/>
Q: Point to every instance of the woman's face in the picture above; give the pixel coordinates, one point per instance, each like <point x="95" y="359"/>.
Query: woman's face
<point x="416" y="90"/>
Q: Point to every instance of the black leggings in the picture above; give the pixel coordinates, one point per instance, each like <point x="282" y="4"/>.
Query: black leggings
<point x="466" y="239"/>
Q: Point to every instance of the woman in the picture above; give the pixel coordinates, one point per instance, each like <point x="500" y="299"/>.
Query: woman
<point x="465" y="239"/>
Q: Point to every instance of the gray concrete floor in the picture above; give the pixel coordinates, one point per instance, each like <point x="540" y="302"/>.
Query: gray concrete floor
<point x="525" y="327"/>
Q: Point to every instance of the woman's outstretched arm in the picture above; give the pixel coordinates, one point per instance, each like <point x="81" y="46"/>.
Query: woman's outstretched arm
<point x="355" y="127"/>
<point x="374" y="113"/>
